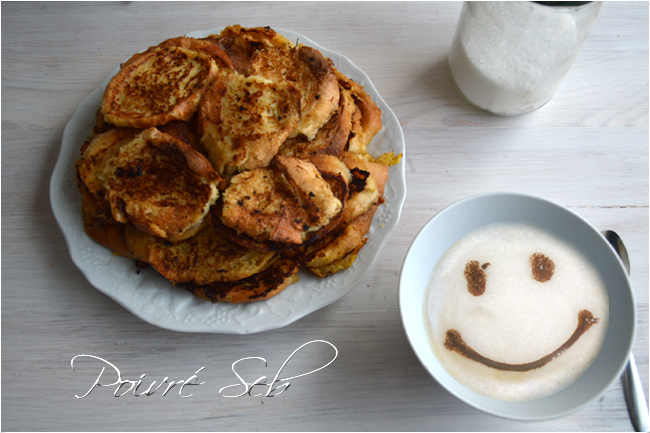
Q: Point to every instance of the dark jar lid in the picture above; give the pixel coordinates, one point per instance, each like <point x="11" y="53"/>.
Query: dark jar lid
<point x="563" y="4"/>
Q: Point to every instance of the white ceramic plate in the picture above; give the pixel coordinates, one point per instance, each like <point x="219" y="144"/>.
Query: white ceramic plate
<point x="462" y="217"/>
<point x="155" y="300"/>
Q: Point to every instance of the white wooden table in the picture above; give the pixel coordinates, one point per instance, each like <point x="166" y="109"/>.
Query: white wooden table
<point x="587" y="149"/>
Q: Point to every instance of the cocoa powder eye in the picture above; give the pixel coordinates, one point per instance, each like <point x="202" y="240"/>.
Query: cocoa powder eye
<point x="476" y="278"/>
<point x="542" y="267"/>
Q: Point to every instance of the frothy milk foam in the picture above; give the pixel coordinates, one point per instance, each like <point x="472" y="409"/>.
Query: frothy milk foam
<point x="517" y="320"/>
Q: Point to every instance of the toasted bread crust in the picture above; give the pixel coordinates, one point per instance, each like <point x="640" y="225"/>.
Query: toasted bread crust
<point x="335" y="247"/>
<point x="99" y="223"/>
<point x="338" y="265"/>
<point x="183" y="131"/>
<point x="366" y="119"/>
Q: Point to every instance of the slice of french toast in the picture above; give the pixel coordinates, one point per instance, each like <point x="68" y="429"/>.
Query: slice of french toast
<point x="311" y="74"/>
<point x="339" y="248"/>
<point x="264" y="285"/>
<point x="285" y="204"/>
<point x="206" y="46"/>
<point x="330" y="139"/>
<point x="97" y="151"/>
<point x="212" y="267"/>
<point x="240" y="44"/>
<point x="204" y="258"/>
<point x="366" y="117"/>
<point x="157" y="86"/>
<point x="260" y="51"/>
<point x="99" y="223"/>
<point x="154" y="181"/>
<point x="244" y="120"/>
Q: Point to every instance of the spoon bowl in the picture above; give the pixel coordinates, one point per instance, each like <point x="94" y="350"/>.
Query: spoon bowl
<point x="617" y="243"/>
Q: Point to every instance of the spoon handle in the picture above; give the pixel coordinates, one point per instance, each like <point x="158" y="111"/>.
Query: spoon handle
<point x="635" y="397"/>
<point x="636" y="404"/>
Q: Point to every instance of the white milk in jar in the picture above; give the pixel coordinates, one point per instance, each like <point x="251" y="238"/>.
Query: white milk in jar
<point x="515" y="313"/>
<point x="509" y="57"/>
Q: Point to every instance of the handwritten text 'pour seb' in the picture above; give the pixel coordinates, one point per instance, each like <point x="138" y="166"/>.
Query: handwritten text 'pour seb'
<point x="124" y="386"/>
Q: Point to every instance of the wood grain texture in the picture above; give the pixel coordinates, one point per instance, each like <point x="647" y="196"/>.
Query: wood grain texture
<point x="587" y="149"/>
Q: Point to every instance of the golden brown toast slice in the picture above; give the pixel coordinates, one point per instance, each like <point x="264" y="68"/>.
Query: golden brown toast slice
<point x="331" y="138"/>
<point x="244" y="120"/>
<point x="311" y="74"/>
<point x="364" y="188"/>
<point x="335" y="173"/>
<point x="157" y="86"/>
<point x="185" y="132"/>
<point x="258" y="287"/>
<point x="99" y="223"/>
<point x="160" y="185"/>
<point x="263" y="52"/>
<point x="97" y="151"/>
<point x="366" y="118"/>
<point x="205" y="46"/>
<point x="338" y="250"/>
<point x="212" y="267"/>
<point x="259" y="205"/>
<point x="240" y="44"/>
<point x="204" y="258"/>
<point x="316" y="196"/>
<point x="287" y="203"/>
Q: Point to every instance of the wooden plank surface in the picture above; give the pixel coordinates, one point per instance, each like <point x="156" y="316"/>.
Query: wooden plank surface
<point x="587" y="149"/>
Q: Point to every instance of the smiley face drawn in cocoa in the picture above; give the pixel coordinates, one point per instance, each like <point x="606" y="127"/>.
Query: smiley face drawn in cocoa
<point x="542" y="270"/>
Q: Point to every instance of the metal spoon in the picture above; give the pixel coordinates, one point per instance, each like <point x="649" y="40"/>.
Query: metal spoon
<point x="633" y="389"/>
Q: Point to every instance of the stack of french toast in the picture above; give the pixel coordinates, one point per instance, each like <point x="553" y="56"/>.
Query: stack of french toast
<point x="228" y="162"/>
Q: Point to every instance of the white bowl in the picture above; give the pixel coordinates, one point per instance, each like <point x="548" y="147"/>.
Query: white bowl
<point x="462" y="217"/>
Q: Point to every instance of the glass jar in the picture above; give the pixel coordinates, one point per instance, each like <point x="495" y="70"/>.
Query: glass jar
<point x="509" y="58"/>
